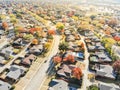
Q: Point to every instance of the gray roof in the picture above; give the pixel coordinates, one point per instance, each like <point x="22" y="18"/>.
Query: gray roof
<point x="58" y="85"/>
<point x="108" y="87"/>
<point x="4" y="85"/>
<point x="15" y="72"/>
<point x="105" y="70"/>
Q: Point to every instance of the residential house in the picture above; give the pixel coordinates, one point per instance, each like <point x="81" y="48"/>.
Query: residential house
<point x="15" y="72"/>
<point x="7" y="51"/>
<point x="108" y="87"/>
<point x="36" y="49"/>
<point x="4" y="85"/>
<point x="70" y="38"/>
<point x="116" y="51"/>
<point x="28" y="60"/>
<point x="100" y="57"/>
<point x="57" y="84"/>
<point x="18" y="43"/>
<point x="105" y="71"/>
<point x="3" y="59"/>
<point x="67" y="32"/>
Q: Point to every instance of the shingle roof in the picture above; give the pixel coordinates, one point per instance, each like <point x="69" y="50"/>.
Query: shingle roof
<point x="4" y="85"/>
<point x="108" y="87"/>
<point x="15" y="72"/>
<point x="58" y="85"/>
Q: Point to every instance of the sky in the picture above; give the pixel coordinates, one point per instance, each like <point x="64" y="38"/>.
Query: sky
<point x="101" y="0"/>
<point x="85" y="1"/>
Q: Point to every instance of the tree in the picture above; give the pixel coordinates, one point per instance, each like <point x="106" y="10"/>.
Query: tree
<point x="75" y="18"/>
<point x="63" y="46"/>
<point x="92" y="17"/>
<point x="32" y="30"/>
<point x="35" y="41"/>
<point x="93" y="87"/>
<point x="2" y="16"/>
<point x="69" y="58"/>
<point x="77" y="73"/>
<point x="47" y="46"/>
<point x="116" y="66"/>
<point x="60" y="25"/>
<point x="19" y="29"/>
<point x="102" y="21"/>
<point x="5" y="25"/>
<point x="28" y="36"/>
<point x="57" y="59"/>
<point x="18" y="15"/>
<point x="51" y="32"/>
<point x="117" y="38"/>
<point x="112" y="22"/>
<point x="14" y="21"/>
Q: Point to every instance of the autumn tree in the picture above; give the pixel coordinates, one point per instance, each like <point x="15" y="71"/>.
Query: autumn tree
<point x="116" y="67"/>
<point x="35" y="41"/>
<point x="117" y="38"/>
<point x="70" y="58"/>
<point x="2" y="16"/>
<point x="102" y="21"/>
<point x="51" y="32"/>
<point x="108" y="42"/>
<point x="5" y="25"/>
<point x="14" y="21"/>
<point x="77" y="73"/>
<point x="19" y="29"/>
<point x="28" y="36"/>
<point x="60" y="26"/>
<point x="112" y="22"/>
<point x="57" y="59"/>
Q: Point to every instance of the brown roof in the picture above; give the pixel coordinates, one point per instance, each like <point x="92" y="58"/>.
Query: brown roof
<point x="28" y="59"/>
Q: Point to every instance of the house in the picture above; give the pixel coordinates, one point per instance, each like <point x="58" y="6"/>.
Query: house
<point x="116" y="51"/>
<point x="67" y="32"/>
<point x="105" y="71"/>
<point x="36" y="49"/>
<point x="65" y="71"/>
<point x="4" y="85"/>
<point x="72" y="46"/>
<point x="43" y="41"/>
<point x="28" y="60"/>
<point x="19" y="43"/>
<point x="100" y="57"/>
<point x="8" y="50"/>
<point x="2" y="32"/>
<point x="3" y="59"/>
<point x="78" y="55"/>
<point x="96" y="47"/>
<point x="108" y="87"/>
<point x="15" y="72"/>
<point x="70" y="38"/>
<point x="57" y="84"/>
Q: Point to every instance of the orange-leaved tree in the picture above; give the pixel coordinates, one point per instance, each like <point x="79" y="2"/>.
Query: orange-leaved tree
<point x="35" y="41"/>
<point x="77" y="73"/>
<point x="70" y="58"/>
<point x="51" y="32"/>
<point x="116" y="66"/>
<point x="5" y="25"/>
<point x="57" y="59"/>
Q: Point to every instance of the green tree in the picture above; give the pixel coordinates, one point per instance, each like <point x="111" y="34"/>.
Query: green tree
<point x="92" y="17"/>
<point x="63" y="46"/>
<point x="93" y="87"/>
